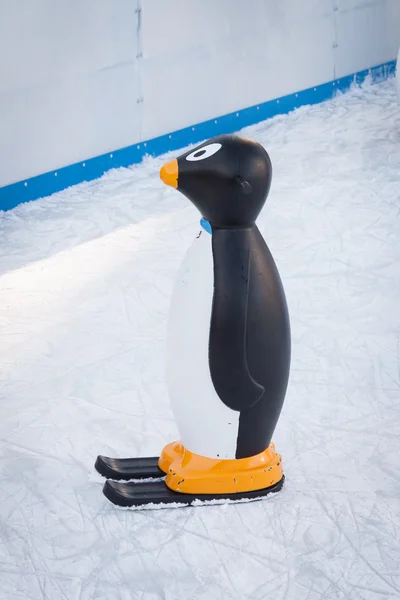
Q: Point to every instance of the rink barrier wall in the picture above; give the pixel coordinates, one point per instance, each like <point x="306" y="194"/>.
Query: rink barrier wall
<point x="55" y="181"/>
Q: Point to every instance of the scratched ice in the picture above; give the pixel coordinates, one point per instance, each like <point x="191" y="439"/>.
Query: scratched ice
<point x="85" y="282"/>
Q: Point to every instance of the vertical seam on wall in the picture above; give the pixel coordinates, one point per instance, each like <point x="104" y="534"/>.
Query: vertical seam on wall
<point x="139" y="60"/>
<point x="335" y="36"/>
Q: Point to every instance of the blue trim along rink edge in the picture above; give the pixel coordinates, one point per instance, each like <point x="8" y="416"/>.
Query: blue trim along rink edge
<point x="55" y="181"/>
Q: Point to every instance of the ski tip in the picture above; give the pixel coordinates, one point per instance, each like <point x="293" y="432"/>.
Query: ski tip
<point x="103" y="466"/>
<point x="140" y="468"/>
<point x="117" y="493"/>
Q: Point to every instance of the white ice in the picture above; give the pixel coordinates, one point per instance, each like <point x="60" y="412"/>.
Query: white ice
<point x="85" y="281"/>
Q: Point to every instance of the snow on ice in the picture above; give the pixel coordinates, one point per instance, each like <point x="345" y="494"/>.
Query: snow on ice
<point x="85" y="281"/>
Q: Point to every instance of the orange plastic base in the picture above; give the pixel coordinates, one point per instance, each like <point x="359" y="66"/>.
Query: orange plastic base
<point x="169" y="454"/>
<point x="190" y="473"/>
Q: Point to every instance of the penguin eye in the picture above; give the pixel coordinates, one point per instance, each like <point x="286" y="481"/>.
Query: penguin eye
<point x="205" y="152"/>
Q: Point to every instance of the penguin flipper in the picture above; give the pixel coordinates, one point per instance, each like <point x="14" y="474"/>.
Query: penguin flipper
<point x="227" y="345"/>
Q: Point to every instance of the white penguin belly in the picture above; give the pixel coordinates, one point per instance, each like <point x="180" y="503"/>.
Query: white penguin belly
<point x="206" y="425"/>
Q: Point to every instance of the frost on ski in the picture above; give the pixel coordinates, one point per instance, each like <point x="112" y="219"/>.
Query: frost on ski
<point x="85" y="281"/>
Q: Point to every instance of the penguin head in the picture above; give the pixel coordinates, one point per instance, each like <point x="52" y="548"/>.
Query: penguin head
<point x="227" y="178"/>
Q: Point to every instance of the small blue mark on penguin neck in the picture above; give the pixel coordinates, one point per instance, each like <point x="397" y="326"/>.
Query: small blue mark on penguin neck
<point x="206" y="225"/>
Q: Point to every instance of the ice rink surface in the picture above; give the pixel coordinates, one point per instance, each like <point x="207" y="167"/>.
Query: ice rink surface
<point x="85" y="282"/>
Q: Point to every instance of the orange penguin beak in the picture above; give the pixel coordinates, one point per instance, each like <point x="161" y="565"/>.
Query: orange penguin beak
<point x="169" y="173"/>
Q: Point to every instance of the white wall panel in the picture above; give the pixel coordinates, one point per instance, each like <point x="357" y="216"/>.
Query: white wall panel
<point x="204" y="58"/>
<point x="392" y="25"/>
<point x="68" y="82"/>
<point x="45" y="40"/>
<point x="60" y="123"/>
<point x="79" y="78"/>
<point x="365" y="37"/>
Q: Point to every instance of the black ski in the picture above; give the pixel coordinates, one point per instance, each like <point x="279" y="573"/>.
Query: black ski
<point x="156" y="494"/>
<point x="129" y="468"/>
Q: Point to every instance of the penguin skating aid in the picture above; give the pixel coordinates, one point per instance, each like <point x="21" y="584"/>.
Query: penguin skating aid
<point x="228" y="346"/>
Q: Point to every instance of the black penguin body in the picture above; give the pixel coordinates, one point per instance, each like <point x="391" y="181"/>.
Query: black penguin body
<point x="249" y="345"/>
<point x="228" y="179"/>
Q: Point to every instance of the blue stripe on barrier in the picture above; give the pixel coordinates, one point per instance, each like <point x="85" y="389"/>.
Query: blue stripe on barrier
<point x="93" y="168"/>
